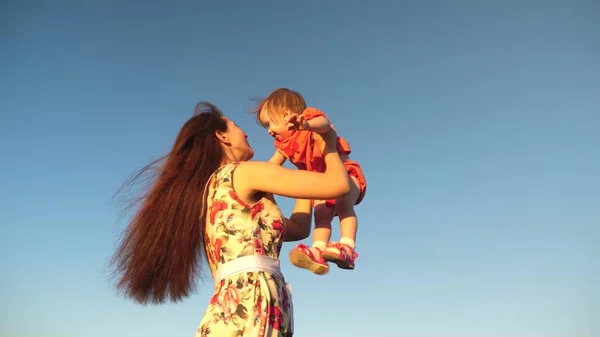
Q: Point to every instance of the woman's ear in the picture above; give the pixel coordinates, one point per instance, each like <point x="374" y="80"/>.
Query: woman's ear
<point x="222" y="137"/>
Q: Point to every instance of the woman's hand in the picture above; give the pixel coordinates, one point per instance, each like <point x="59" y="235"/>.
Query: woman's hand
<point x="327" y="142"/>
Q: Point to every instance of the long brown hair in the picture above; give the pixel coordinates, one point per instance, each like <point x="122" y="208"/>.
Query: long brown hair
<point x="160" y="253"/>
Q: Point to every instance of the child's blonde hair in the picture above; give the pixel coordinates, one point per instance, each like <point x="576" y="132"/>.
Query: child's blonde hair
<point x="279" y="100"/>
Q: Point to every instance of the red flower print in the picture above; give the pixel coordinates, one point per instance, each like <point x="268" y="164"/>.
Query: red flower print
<point x="215" y="298"/>
<point x="258" y="303"/>
<point x="276" y="317"/>
<point x="278" y="225"/>
<point x="258" y="247"/>
<point x="257" y="208"/>
<point x="231" y="299"/>
<point x="215" y="208"/>
<point x="217" y="250"/>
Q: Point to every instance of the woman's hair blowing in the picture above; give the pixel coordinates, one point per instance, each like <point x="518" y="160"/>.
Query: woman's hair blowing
<point x="160" y="253"/>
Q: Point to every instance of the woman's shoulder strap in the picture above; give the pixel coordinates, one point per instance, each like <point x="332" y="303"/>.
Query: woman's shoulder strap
<point x="224" y="173"/>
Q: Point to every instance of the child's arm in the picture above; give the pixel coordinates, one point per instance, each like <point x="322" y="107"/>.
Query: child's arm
<point x="278" y="158"/>
<point x="311" y="119"/>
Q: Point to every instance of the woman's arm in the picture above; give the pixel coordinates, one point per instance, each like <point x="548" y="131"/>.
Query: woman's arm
<point x="297" y="227"/>
<point x="252" y="177"/>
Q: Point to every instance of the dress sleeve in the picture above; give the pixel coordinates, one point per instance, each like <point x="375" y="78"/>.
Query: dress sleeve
<point x="310" y="113"/>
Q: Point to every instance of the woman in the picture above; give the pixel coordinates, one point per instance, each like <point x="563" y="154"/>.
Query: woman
<point x="209" y="201"/>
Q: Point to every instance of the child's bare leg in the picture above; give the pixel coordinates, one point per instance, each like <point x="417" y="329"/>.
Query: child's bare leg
<point x="344" y="208"/>
<point x="343" y="253"/>
<point x="311" y="258"/>
<point x="323" y="218"/>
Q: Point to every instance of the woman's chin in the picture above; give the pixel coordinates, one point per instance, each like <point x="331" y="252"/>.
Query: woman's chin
<point x="249" y="155"/>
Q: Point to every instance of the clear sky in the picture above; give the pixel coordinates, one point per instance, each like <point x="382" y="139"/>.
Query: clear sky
<point x="477" y="125"/>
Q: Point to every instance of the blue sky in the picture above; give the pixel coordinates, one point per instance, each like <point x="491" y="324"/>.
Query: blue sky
<point x="477" y="125"/>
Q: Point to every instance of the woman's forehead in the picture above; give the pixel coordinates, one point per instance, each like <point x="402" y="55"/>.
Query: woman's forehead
<point x="228" y="121"/>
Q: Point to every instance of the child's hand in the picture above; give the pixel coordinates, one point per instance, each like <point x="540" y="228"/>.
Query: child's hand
<point x="297" y="122"/>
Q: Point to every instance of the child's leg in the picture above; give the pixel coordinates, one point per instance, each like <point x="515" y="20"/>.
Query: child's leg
<point x="344" y="207"/>
<point x="323" y="218"/>
<point x="311" y="257"/>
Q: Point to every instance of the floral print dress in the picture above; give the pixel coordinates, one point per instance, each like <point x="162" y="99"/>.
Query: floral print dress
<point x="251" y="303"/>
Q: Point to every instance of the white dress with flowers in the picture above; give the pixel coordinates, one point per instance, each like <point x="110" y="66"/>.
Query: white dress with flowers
<point x="253" y="303"/>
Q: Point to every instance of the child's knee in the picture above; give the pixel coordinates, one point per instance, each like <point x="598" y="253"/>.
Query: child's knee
<point x="323" y="213"/>
<point x="345" y="208"/>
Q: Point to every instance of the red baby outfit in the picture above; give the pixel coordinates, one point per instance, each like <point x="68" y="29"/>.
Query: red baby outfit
<point x="300" y="149"/>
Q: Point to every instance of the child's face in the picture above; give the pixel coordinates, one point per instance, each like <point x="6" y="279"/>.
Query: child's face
<point x="275" y="122"/>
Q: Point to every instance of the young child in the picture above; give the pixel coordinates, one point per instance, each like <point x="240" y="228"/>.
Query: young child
<point x="285" y="115"/>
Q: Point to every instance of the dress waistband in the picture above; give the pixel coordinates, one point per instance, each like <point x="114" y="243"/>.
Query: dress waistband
<point x="246" y="264"/>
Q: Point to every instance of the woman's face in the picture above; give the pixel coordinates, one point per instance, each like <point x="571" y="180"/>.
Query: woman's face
<point x="238" y="142"/>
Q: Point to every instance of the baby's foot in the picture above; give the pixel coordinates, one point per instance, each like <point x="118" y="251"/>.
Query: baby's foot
<point x="340" y="254"/>
<point x="309" y="258"/>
